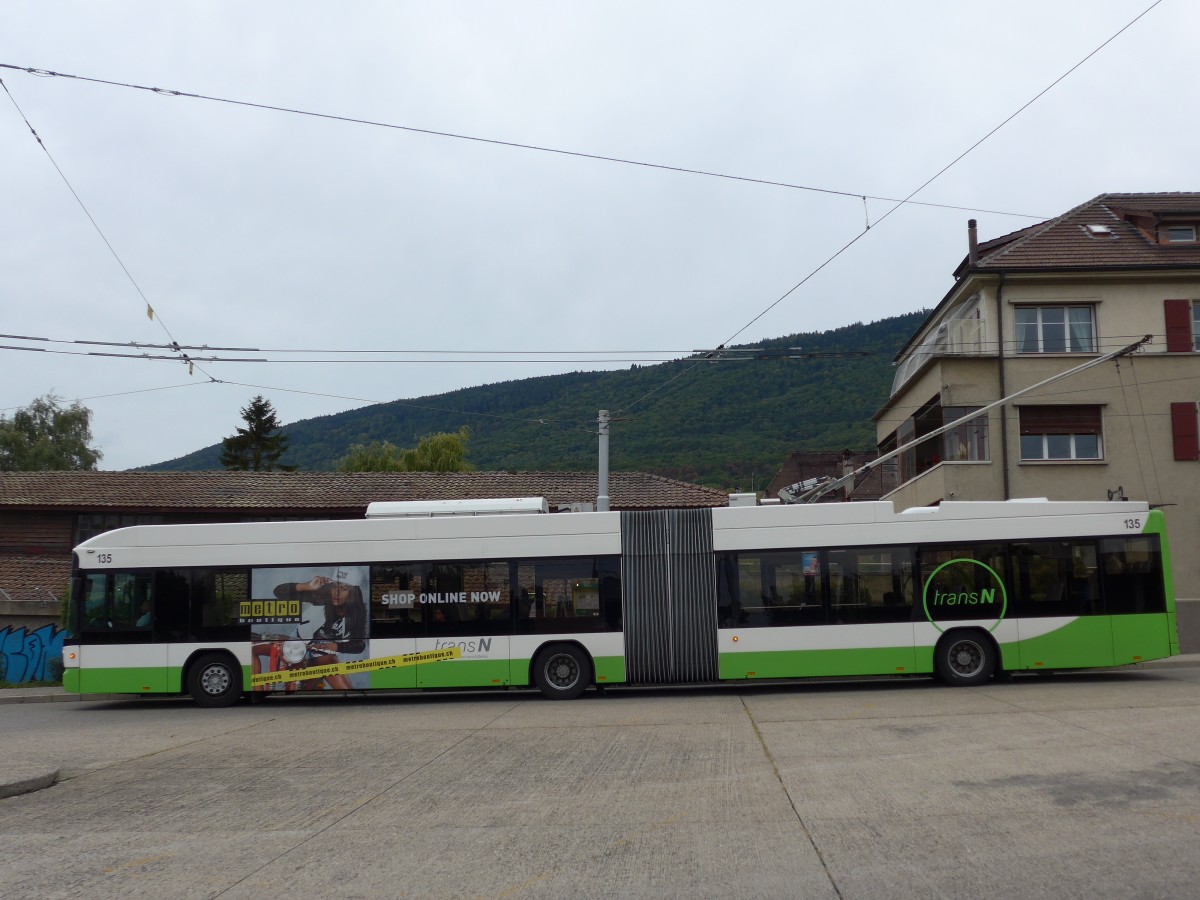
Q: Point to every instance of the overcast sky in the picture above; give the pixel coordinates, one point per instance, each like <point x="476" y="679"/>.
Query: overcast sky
<point x="253" y="228"/>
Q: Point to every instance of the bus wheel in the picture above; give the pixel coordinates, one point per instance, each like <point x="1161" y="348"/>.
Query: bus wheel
<point x="965" y="658"/>
<point x="215" y="680"/>
<point x="562" y="672"/>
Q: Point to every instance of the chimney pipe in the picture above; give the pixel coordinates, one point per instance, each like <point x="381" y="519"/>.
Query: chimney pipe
<point x="972" y="243"/>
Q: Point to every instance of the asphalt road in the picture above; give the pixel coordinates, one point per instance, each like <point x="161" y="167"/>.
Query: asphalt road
<point x="1067" y="786"/>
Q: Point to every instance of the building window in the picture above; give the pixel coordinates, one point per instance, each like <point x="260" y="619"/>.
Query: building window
<point x="1056" y="329"/>
<point x="88" y="525"/>
<point x="969" y="441"/>
<point x="1181" y="234"/>
<point x="1061" y="432"/>
<point x="966" y="442"/>
<point x="1185" y="431"/>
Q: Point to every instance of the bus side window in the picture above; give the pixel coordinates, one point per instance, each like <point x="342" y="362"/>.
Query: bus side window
<point x="729" y="609"/>
<point x="172" y="593"/>
<point x="872" y="584"/>
<point x="216" y="598"/>
<point x="396" y="610"/>
<point x="773" y="588"/>
<point x="1132" y="575"/>
<point x="1056" y="578"/>
<point x="570" y="594"/>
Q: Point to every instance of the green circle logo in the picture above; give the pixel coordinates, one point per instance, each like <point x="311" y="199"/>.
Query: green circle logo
<point x="966" y="599"/>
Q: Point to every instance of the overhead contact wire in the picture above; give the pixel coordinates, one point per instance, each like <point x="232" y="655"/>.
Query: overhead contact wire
<point x="516" y="145"/>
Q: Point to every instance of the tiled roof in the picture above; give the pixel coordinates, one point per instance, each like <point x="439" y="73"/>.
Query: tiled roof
<point x="346" y="493"/>
<point x="1066" y="243"/>
<point x="34" y="579"/>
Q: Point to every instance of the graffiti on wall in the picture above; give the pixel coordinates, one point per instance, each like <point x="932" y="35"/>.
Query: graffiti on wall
<point x="30" y="655"/>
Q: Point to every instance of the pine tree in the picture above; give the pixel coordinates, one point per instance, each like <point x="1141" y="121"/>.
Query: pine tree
<point x="258" y="446"/>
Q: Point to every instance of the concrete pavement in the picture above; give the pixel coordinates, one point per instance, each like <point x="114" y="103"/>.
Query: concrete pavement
<point x="1080" y="785"/>
<point x="26" y="777"/>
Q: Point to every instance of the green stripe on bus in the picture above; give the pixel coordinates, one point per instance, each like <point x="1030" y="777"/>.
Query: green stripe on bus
<point x="1096" y="641"/>
<point x="810" y="663"/>
<point x="465" y="673"/>
<point x="1087" y="642"/>
<point x="610" y="669"/>
<point x="140" y="680"/>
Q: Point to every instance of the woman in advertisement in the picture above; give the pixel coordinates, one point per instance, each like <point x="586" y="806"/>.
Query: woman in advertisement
<point x="343" y="633"/>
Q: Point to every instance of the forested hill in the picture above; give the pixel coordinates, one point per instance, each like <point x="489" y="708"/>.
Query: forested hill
<point x="724" y="424"/>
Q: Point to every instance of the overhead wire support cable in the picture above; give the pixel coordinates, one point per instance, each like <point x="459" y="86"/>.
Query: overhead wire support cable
<point x="898" y="204"/>
<point x="733" y="355"/>
<point x="639" y="360"/>
<point x="672" y="352"/>
<point x="942" y="171"/>
<point x="516" y="145"/>
<point x="96" y="225"/>
<point x="907" y="200"/>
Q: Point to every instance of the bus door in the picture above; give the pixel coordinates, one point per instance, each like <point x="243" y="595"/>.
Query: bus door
<point x="118" y="648"/>
<point x="396" y="623"/>
<point x="468" y="617"/>
<point x="465" y="657"/>
<point x="1135" y="598"/>
<point x="1061" y="621"/>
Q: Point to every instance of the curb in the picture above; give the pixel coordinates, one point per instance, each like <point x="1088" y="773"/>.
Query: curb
<point x="17" y="695"/>
<point x="1171" y="662"/>
<point x="14" y="785"/>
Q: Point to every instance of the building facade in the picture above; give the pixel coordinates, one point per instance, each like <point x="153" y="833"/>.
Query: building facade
<point x="1035" y="303"/>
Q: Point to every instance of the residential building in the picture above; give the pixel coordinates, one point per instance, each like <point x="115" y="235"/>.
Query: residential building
<point x="1040" y="301"/>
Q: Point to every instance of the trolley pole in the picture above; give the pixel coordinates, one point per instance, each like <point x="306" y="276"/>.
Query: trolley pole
<point x="815" y="494"/>
<point x="602" y="474"/>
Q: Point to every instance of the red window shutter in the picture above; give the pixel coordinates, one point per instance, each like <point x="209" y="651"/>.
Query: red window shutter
<point x="1185" y="432"/>
<point x="1178" y="314"/>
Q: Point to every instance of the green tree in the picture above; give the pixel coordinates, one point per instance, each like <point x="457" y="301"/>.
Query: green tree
<point x="45" y="436"/>
<point x="440" y="452"/>
<point x="258" y="446"/>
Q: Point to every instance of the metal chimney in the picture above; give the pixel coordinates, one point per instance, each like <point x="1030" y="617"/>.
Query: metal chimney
<point x="972" y="242"/>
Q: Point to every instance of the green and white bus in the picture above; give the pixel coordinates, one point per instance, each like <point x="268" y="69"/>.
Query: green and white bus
<point x="468" y="594"/>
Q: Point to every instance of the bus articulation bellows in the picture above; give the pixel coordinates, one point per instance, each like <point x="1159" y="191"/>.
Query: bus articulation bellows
<point x="411" y="597"/>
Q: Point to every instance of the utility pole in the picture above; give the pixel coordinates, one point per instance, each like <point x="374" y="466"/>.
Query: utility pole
<point x="602" y="474"/>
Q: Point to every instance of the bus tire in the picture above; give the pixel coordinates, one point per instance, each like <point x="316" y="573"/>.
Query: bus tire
<point x="215" y="679"/>
<point x="965" y="658"/>
<point x="562" y="671"/>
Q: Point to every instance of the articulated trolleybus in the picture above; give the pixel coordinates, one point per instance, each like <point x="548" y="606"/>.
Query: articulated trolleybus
<point x="468" y="594"/>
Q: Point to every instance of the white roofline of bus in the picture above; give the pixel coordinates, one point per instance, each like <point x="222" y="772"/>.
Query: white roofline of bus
<point x="469" y="536"/>
<point x="477" y="535"/>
